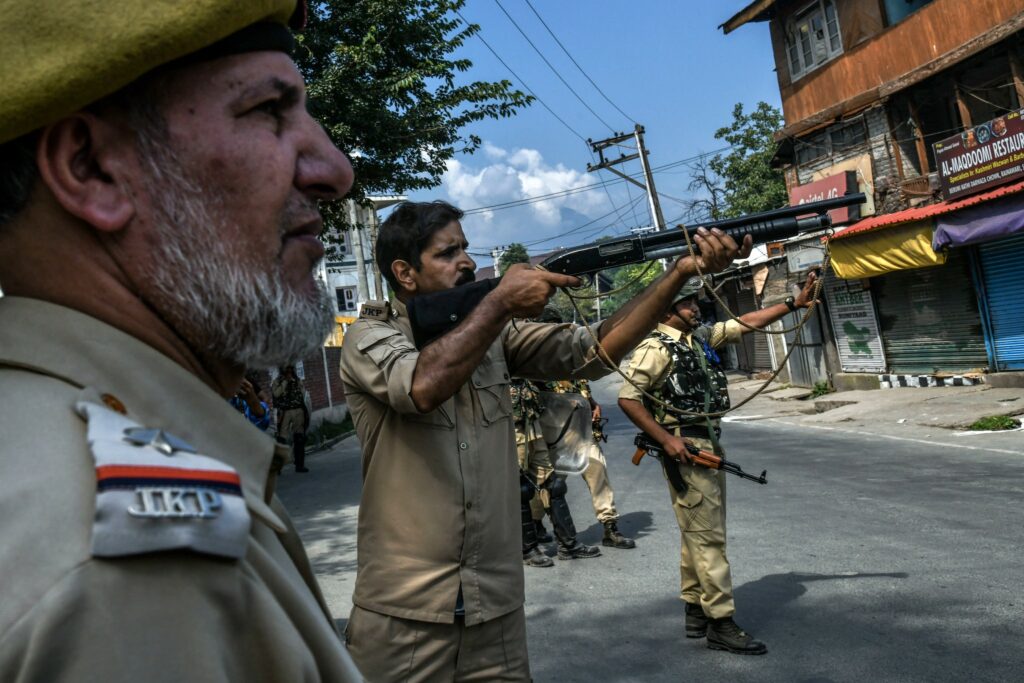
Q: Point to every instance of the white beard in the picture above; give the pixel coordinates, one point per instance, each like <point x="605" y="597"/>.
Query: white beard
<point x="243" y="314"/>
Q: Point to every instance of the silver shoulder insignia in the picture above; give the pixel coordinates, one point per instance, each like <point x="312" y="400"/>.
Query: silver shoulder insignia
<point x="154" y="492"/>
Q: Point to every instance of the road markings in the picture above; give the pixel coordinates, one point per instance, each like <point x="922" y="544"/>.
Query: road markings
<point x="858" y="432"/>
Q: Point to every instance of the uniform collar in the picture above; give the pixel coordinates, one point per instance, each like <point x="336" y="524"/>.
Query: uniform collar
<point x="156" y="392"/>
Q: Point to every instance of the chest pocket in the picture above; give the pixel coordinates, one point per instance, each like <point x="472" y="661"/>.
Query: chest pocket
<point x="491" y="386"/>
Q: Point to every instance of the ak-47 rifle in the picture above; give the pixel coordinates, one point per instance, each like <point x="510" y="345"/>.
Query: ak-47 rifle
<point x="646" y="445"/>
<point x="432" y="315"/>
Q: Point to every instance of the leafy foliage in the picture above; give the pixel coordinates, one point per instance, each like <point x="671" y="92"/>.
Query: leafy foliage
<point x="743" y="180"/>
<point x="633" y="278"/>
<point x="384" y="81"/>
<point x="514" y="253"/>
<point x="995" y="423"/>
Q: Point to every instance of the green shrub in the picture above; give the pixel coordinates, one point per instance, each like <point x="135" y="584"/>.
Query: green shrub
<point x="994" y="423"/>
<point x="820" y="389"/>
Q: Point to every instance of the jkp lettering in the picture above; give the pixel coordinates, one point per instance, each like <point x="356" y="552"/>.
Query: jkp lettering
<point x="202" y="503"/>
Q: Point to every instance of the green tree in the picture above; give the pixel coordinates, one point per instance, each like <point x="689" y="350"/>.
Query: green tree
<point x="514" y="253"/>
<point x="743" y="180"/>
<point x="384" y="82"/>
<point x="631" y="280"/>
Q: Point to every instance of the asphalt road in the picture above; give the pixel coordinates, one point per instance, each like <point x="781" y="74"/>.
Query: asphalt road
<point x="865" y="558"/>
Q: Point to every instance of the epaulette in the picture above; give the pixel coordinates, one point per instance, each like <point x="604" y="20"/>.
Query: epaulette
<point x="154" y="492"/>
<point x="375" y="310"/>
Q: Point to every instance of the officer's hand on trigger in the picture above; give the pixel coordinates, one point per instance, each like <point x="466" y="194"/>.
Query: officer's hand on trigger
<point x="803" y="299"/>
<point x="675" y="448"/>
<point x="524" y="290"/>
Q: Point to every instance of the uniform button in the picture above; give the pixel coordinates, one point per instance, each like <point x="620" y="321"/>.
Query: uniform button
<point x="453" y="317"/>
<point x="469" y="505"/>
<point x="463" y="445"/>
<point x="505" y="375"/>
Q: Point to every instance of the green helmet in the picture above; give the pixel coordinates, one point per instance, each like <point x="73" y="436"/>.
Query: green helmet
<point x="693" y="287"/>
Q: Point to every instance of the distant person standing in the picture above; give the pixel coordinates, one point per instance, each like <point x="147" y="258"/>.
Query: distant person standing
<point x="596" y="475"/>
<point x="292" y="413"/>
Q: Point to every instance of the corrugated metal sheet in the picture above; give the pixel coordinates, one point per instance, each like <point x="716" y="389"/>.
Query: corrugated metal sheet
<point x="923" y="212"/>
<point x="929" y="319"/>
<point x="1001" y="268"/>
<point x="854" y="325"/>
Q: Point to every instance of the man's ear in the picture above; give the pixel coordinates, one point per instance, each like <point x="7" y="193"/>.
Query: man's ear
<point x="84" y="161"/>
<point x="403" y="272"/>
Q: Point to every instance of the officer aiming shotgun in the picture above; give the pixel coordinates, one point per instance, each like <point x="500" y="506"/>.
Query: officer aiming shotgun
<point x="434" y="314"/>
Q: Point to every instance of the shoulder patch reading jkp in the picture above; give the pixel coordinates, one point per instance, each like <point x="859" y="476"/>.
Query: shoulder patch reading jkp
<point x="154" y="492"/>
<point x="375" y="310"/>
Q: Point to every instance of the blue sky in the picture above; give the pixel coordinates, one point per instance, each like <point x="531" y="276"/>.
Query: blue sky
<point x="666" y="64"/>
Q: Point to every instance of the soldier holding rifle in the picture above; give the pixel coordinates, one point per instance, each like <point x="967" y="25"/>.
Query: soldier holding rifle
<point x="679" y="365"/>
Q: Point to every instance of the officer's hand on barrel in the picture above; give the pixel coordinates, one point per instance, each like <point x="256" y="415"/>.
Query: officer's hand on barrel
<point x="717" y="250"/>
<point x="524" y="290"/>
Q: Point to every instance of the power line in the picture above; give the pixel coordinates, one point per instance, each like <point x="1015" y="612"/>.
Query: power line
<point x="521" y="81"/>
<point x="596" y="87"/>
<point x="583" y="188"/>
<point x="550" y="66"/>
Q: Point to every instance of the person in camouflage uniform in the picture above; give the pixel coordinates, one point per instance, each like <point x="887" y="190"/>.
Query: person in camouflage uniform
<point x="540" y="491"/>
<point x="678" y="364"/>
<point x="596" y="474"/>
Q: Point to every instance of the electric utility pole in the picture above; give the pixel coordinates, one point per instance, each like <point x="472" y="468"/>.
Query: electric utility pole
<point x="637" y="135"/>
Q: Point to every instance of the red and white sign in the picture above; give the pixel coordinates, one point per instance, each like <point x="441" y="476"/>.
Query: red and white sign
<point x="829" y="188"/>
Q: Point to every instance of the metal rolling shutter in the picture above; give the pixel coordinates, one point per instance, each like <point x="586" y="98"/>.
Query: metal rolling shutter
<point x="929" y="319"/>
<point x="1001" y="270"/>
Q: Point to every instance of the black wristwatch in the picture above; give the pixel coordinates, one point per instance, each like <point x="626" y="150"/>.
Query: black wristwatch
<point x="790" y="303"/>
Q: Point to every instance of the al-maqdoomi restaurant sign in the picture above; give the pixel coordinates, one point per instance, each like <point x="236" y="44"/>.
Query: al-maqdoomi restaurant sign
<point x="982" y="157"/>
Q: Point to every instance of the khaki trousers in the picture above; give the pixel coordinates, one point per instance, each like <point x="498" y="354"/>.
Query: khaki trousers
<point x="705" y="577"/>
<point x="387" y="648"/>
<point x="601" y="494"/>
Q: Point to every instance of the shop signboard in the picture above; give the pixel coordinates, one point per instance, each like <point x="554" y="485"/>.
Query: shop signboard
<point x="854" y="325"/>
<point x="830" y="187"/>
<point x="983" y="157"/>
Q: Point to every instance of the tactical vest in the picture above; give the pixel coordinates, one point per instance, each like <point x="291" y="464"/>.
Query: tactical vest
<point x="695" y="383"/>
<point x="525" y="402"/>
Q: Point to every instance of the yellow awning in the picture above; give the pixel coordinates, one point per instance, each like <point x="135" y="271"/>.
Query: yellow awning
<point x="338" y="335"/>
<point x="901" y="247"/>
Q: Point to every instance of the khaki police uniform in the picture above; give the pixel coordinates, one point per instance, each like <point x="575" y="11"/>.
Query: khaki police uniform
<point x="439" y="512"/>
<point x="705" y="577"/>
<point x="596" y="475"/>
<point x="117" y="565"/>
<point x="531" y="448"/>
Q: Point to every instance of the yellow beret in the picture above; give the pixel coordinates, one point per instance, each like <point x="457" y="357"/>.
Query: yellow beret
<point x="59" y="56"/>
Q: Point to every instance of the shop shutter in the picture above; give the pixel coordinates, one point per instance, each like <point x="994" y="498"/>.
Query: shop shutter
<point x="1001" y="269"/>
<point x="929" y="319"/>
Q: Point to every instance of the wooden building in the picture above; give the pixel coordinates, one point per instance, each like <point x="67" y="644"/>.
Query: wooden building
<point x="897" y="98"/>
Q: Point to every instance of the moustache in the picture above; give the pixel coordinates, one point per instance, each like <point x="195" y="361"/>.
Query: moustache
<point x="465" y="277"/>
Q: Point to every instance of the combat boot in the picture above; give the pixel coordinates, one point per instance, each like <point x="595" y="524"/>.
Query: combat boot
<point x="696" y="621"/>
<point x="725" y="634"/>
<point x="543" y="536"/>
<point x="577" y="551"/>
<point x="613" y="539"/>
<point x="535" y="558"/>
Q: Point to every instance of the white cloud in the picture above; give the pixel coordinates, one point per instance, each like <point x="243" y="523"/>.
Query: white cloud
<point x="500" y="176"/>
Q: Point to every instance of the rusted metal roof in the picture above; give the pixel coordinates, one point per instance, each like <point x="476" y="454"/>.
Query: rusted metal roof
<point x="923" y="212"/>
